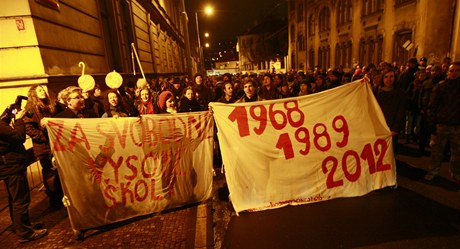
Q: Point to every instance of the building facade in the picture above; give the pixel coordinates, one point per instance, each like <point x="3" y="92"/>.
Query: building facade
<point x="329" y="33"/>
<point x="264" y="48"/>
<point x="43" y="41"/>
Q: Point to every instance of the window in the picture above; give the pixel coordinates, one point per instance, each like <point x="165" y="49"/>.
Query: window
<point x="399" y="3"/>
<point x="311" y="25"/>
<point x="400" y="54"/>
<point x="324" y="19"/>
<point x="300" y="13"/>
<point x="362" y="52"/>
<point x="292" y="4"/>
<point x="301" y="42"/>
<point x="343" y="54"/>
<point x="371" y="50"/>
<point x="371" y="7"/>
<point x="343" y="12"/>
<point x="311" y="58"/>
<point x="324" y="56"/>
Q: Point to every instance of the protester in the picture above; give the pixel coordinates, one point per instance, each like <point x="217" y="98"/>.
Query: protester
<point x="114" y="105"/>
<point x="146" y="104"/>
<point x="228" y="96"/>
<point x="205" y="93"/>
<point x="167" y="102"/>
<point x="188" y="103"/>
<point x="39" y="106"/>
<point x="250" y="94"/>
<point x="268" y="90"/>
<point x="74" y="102"/>
<point x="13" y="170"/>
<point x="444" y="117"/>
<point x="393" y="102"/>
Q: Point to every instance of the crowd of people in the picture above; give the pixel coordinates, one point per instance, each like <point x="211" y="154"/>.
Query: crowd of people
<point x="420" y="102"/>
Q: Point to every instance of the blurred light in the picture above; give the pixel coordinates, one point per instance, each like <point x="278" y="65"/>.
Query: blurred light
<point x="206" y="45"/>
<point x="209" y="10"/>
<point x="206" y="34"/>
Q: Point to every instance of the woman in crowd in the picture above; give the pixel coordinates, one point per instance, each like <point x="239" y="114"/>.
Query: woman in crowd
<point x="146" y="104"/>
<point x="393" y="102"/>
<point x="39" y="106"/>
<point x="114" y="106"/>
<point x="167" y="102"/>
<point x="188" y="103"/>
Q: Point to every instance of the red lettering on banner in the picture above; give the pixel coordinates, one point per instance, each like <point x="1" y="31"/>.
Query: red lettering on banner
<point x="131" y="167"/>
<point x="322" y="139"/>
<point x="181" y="128"/>
<point x="279" y="118"/>
<point x="107" y="194"/>
<point x="272" y="115"/>
<point x="57" y="145"/>
<point x="380" y="149"/>
<point x="380" y="143"/>
<point x="260" y="116"/>
<point x="150" y="134"/>
<point x="109" y="140"/>
<point x="331" y="182"/>
<point x="165" y="130"/>
<point x="74" y="139"/>
<point x="323" y="134"/>
<point x="121" y="134"/>
<point x="152" y="189"/>
<point x="142" y="183"/>
<point x="116" y="166"/>
<point x="141" y="134"/>
<point x="96" y="166"/>
<point x="124" y="188"/>
<point x="194" y="123"/>
<point x="343" y="128"/>
<point x="145" y="174"/>
<point x="240" y="115"/>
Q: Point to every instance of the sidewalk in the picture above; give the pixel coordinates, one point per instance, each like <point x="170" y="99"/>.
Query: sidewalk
<point x="413" y="168"/>
<point x="186" y="227"/>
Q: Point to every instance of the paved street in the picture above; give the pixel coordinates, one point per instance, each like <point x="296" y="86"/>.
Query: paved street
<point x="187" y="227"/>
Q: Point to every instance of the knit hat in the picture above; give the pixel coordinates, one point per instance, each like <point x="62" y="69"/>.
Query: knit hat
<point x="165" y="95"/>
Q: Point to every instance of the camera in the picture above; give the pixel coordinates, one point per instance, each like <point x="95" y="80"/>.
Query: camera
<point x="12" y="109"/>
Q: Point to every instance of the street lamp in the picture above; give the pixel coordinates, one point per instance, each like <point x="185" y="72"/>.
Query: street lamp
<point x="187" y="41"/>
<point x="208" y="10"/>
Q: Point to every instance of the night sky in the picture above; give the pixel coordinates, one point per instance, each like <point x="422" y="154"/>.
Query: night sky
<point x="232" y="17"/>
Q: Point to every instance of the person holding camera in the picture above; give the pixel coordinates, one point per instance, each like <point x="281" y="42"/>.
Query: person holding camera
<point x="39" y="106"/>
<point x="13" y="170"/>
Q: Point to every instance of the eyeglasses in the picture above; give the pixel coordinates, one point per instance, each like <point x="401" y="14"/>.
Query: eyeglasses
<point x="77" y="97"/>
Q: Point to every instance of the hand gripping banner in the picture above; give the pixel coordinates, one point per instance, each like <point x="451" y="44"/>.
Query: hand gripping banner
<point x="114" y="169"/>
<point x="307" y="149"/>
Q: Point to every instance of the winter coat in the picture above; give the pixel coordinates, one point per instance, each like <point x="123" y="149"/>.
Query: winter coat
<point x="12" y="151"/>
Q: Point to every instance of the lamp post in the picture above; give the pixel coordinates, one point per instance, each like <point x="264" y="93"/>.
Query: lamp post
<point x="200" y="49"/>
<point x="187" y="42"/>
<point x="208" y="10"/>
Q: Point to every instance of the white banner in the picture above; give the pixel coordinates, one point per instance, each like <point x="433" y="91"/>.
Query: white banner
<point x="307" y="149"/>
<point x="115" y="169"/>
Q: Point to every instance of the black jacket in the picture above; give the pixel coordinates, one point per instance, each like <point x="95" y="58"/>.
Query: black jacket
<point x="38" y="133"/>
<point x="12" y="151"/>
<point x="444" y="106"/>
